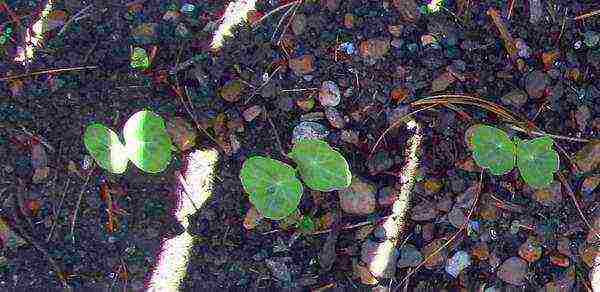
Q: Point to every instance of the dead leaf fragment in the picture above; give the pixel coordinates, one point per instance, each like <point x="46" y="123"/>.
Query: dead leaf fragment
<point x="442" y="82"/>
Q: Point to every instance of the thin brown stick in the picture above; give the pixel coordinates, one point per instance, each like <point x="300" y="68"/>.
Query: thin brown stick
<point x="13" y="77"/>
<point x="279" y="144"/>
<point x="396" y="124"/>
<point x="57" y="212"/>
<point x="59" y="272"/>
<point x="273" y="12"/>
<point x="291" y="18"/>
<point x="87" y="180"/>
<point x="586" y="15"/>
<point x="300" y="89"/>
<point x="283" y="17"/>
<point x="510" y="9"/>
<point x="576" y="203"/>
<point x="460" y="230"/>
<point x="562" y="27"/>
<point x="78" y="16"/>
<point x="541" y="133"/>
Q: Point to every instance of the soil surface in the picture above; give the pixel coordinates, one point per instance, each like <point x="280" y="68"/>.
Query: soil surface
<point x="540" y="60"/>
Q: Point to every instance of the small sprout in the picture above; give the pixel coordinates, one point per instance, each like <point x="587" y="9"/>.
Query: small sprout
<point x="493" y="149"/>
<point x="106" y="148"/>
<point x="536" y="160"/>
<point x="321" y="167"/>
<point x="272" y="185"/>
<point x="147" y="144"/>
<point x="306" y="225"/>
<point x="139" y="59"/>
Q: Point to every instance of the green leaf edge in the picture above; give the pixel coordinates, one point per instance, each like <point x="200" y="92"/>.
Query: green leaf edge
<point x="252" y="195"/>
<point x="103" y="164"/>
<point x="477" y="154"/>
<point x="550" y="149"/>
<point x="309" y="183"/>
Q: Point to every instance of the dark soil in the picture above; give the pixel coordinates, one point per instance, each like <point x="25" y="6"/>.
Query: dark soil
<point x="55" y="109"/>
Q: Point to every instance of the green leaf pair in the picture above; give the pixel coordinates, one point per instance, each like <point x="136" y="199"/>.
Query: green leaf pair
<point x="273" y="186"/>
<point x="147" y="144"/>
<point x="536" y="160"/>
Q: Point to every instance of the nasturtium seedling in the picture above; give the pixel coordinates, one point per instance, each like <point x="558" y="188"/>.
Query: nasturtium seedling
<point x="306" y="225"/>
<point x="106" y="148"/>
<point x="139" y="59"/>
<point x="147" y="141"/>
<point x="272" y="186"/>
<point x="537" y="161"/>
<point x="321" y="167"/>
<point x="147" y="144"/>
<point x="493" y="149"/>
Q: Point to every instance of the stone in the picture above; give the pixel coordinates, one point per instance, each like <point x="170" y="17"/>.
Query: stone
<point x="516" y="98"/>
<point x="309" y="130"/>
<point x="329" y="94"/>
<point x="513" y="271"/>
<point x="409" y="257"/>
<point x="549" y="196"/>
<point x="457" y="263"/>
<point x="423" y="211"/>
<point x="358" y="198"/>
<point x="536" y="83"/>
<point x="302" y="65"/>
<point x="232" y="90"/>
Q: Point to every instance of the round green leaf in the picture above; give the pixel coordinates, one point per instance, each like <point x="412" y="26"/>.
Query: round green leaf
<point x="106" y="148"/>
<point x="320" y="166"/>
<point x="272" y="186"/>
<point x="537" y="161"/>
<point x="493" y="149"/>
<point x="147" y="141"/>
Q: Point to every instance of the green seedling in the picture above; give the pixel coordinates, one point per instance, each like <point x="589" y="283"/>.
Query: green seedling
<point x="147" y="144"/>
<point x="273" y="186"/>
<point x="535" y="159"/>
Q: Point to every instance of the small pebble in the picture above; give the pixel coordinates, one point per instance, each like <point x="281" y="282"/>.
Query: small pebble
<point x="423" y="211"/>
<point x="591" y="38"/>
<point x="252" y="112"/>
<point x="457" y="263"/>
<point x="409" y="257"/>
<point x="329" y="94"/>
<point x="335" y="118"/>
<point x="513" y="271"/>
<point x="457" y="217"/>
<point x="549" y="196"/>
<point x="536" y="83"/>
<point x="516" y="98"/>
<point x="309" y="130"/>
<point x="350" y="137"/>
<point x="279" y="270"/>
<point x="358" y="198"/>
<point x="374" y="48"/>
<point x="531" y="250"/>
<point x="302" y="65"/>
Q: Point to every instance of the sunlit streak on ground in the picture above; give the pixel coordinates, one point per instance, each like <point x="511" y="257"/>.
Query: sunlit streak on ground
<point x="193" y="187"/>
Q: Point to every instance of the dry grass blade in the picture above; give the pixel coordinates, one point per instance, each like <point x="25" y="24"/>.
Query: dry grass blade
<point x="397" y="123"/>
<point x="586" y="15"/>
<point x="576" y="202"/>
<point x="475" y="101"/>
<point x="461" y="229"/>
<point x="13" y="77"/>
<point x="258" y="22"/>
